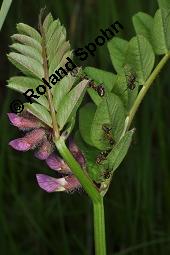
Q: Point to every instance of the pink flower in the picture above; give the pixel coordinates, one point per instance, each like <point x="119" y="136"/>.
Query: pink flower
<point x="51" y="184"/>
<point x="58" y="164"/>
<point x="39" y="136"/>
<point x="69" y="182"/>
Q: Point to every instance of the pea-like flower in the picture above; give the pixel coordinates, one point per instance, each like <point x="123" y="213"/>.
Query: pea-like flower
<point x="39" y="136"/>
<point x="67" y="183"/>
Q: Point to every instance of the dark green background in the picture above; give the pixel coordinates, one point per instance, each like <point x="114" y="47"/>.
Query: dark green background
<point x="138" y="202"/>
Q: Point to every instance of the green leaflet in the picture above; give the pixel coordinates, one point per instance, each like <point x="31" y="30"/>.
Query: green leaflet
<point x="27" y="40"/>
<point x="119" y="151"/>
<point x="161" y="27"/>
<point x="111" y="112"/>
<point x="27" y="65"/>
<point x="143" y="24"/>
<point x="126" y="95"/>
<point x="55" y="41"/>
<point x="120" y="89"/>
<point x="86" y="115"/>
<point x="27" y="51"/>
<point x="61" y="60"/>
<point x="52" y="29"/>
<point x="22" y="84"/>
<point x="70" y="103"/>
<point x="61" y="89"/>
<point x="47" y="22"/>
<point x="40" y="112"/>
<point x="99" y="76"/>
<point x="57" y="46"/>
<point x="30" y="31"/>
<point x="117" y="49"/>
<point x="140" y="57"/>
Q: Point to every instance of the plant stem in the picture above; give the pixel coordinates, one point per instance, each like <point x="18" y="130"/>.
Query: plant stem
<point x="4" y="11"/>
<point x="99" y="228"/>
<point x="81" y="175"/>
<point x="92" y="191"/>
<point x="144" y="90"/>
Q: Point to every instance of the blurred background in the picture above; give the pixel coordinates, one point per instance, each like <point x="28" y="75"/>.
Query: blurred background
<point x="138" y="202"/>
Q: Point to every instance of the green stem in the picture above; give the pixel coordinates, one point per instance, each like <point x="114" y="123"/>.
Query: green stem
<point x="81" y="175"/>
<point x="99" y="228"/>
<point x="4" y="11"/>
<point x="144" y="90"/>
<point x="92" y="191"/>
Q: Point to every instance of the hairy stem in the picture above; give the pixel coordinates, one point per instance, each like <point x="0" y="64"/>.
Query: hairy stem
<point x="144" y="90"/>
<point x="46" y="76"/>
<point x="99" y="228"/>
<point x="81" y="175"/>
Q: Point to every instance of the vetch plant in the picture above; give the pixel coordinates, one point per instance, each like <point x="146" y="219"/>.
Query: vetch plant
<point x="88" y="155"/>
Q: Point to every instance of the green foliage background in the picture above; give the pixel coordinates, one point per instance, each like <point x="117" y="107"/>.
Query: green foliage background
<point x="138" y="202"/>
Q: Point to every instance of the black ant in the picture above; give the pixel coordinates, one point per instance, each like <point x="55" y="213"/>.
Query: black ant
<point x="106" y="174"/>
<point x="99" y="88"/>
<point x="131" y="78"/>
<point x="108" y="134"/>
<point x="102" y="156"/>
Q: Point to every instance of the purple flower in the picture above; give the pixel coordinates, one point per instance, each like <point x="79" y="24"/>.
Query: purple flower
<point x="51" y="184"/>
<point x="69" y="182"/>
<point x="58" y="164"/>
<point x="25" y="122"/>
<point x="39" y="136"/>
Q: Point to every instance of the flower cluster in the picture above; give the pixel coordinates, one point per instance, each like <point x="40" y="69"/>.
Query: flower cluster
<point x="39" y="136"/>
